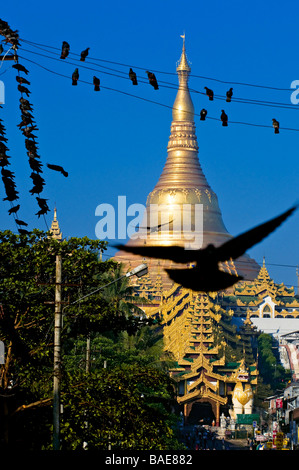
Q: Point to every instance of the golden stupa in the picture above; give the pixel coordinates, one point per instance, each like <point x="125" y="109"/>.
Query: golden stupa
<point x="179" y="193"/>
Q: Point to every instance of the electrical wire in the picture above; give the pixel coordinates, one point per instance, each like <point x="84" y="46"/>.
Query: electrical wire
<point x="167" y="73"/>
<point x="153" y="101"/>
<point x="164" y="84"/>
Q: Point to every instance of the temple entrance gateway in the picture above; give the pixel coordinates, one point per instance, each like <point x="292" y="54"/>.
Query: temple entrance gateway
<point x="200" y="413"/>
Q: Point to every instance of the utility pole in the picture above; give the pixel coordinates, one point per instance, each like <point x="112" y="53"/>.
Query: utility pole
<point x="57" y="355"/>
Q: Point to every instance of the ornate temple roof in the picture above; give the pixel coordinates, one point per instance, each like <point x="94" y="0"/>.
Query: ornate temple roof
<point x="55" y="230"/>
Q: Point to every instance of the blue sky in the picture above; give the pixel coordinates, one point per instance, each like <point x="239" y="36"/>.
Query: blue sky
<point x="114" y="144"/>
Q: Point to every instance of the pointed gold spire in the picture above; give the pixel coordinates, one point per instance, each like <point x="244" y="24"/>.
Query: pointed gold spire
<point x="182" y="183"/>
<point x="55" y="230"/>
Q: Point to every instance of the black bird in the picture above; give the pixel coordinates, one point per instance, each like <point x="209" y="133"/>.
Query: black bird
<point x="275" y="124"/>
<point x="96" y="82"/>
<point x="156" y="228"/>
<point x="75" y="77"/>
<point x="152" y="80"/>
<point x="223" y="118"/>
<point x="20" y="222"/>
<point x="22" y="231"/>
<point x="203" y="114"/>
<point x="35" y="165"/>
<point x="229" y="95"/>
<point x="84" y="54"/>
<point x="209" y="93"/>
<point x="14" y="209"/>
<point x="23" y="89"/>
<point x="25" y="104"/>
<point x="65" y="50"/>
<point x="7" y="173"/>
<point x="57" y="168"/>
<point x="22" y="80"/>
<point x="20" y="68"/>
<point x="44" y="208"/>
<point x="206" y="275"/>
<point x="133" y="77"/>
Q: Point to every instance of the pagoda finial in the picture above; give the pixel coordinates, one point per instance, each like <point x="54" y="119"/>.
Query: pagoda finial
<point x="183" y="64"/>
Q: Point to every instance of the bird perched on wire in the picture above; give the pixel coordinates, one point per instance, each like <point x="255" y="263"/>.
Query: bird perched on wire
<point x="229" y="95"/>
<point x="96" y="82"/>
<point x="206" y="276"/>
<point x="84" y="54"/>
<point x="133" y="77"/>
<point x="24" y="89"/>
<point x="223" y="118"/>
<point x="65" y="49"/>
<point x="14" y="209"/>
<point x="209" y="93"/>
<point x="203" y="114"/>
<point x="75" y="77"/>
<point x="275" y="124"/>
<point x="57" y="168"/>
<point x="22" y="80"/>
<point x="44" y="208"/>
<point x="20" y="68"/>
<point x="152" y="79"/>
<point x="20" y="222"/>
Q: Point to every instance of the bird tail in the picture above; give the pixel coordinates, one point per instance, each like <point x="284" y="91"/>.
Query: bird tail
<point x="228" y="100"/>
<point x="74" y="82"/>
<point x="276" y="130"/>
<point x="96" y="88"/>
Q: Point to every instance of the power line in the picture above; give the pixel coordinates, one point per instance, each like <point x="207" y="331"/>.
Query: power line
<point x="153" y="101"/>
<point x="167" y="73"/>
<point x="164" y="84"/>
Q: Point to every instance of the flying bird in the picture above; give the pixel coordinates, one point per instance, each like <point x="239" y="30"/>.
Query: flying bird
<point x="229" y="95"/>
<point x="75" y="77"/>
<point x="152" y="80"/>
<point x="57" y="168"/>
<point x="96" y="82"/>
<point x="203" y="114"/>
<point x="206" y="275"/>
<point x="84" y="54"/>
<point x="275" y="124"/>
<point x="20" y="68"/>
<point x="65" y="50"/>
<point x="209" y="93"/>
<point x="223" y="118"/>
<point x="133" y="77"/>
<point x="157" y="227"/>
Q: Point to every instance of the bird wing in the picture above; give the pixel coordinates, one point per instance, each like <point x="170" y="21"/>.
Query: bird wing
<point x="240" y="244"/>
<point x="175" y="253"/>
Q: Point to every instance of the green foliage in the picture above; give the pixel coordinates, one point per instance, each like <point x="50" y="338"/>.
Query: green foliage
<point x="127" y="407"/>
<point x="133" y="394"/>
<point x="272" y="372"/>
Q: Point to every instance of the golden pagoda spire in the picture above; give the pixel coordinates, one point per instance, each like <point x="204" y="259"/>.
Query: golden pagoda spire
<point x="55" y="230"/>
<point x="182" y="183"/>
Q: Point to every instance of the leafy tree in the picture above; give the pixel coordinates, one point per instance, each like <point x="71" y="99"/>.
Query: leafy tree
<point x="27" y="282"/>
<point x="141" y="392"/>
